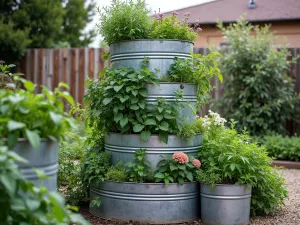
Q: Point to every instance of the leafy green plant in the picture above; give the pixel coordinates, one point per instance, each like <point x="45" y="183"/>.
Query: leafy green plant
<point x="258" y="93"/>
<point x="189" y="130"/>
<point x="170" y="27"/>
<point x="39" y="207"/>
<point x="230" y="158"/>
<point x="124" y="20"/>
<point x="197" y="70"/>
<point x="117" y="102"/>
<point x="140" y="169"/>
<point x="117" y="173"/>
<point x="177" y="169"/>
<point x="25" y="114"/>
<point x="284" y="148"/>
<point x="6" y="77"/>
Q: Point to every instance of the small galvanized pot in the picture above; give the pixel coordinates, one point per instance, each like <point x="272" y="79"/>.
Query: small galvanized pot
<point x="45" y="158"/>
<point x="161" y="53"/>
<point x="146" y="202"/>
<point x="167" y="91"/>
<point x="226" y="204"/>
<point x="123" y="146"/>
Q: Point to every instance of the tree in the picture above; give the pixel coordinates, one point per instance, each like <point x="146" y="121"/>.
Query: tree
<point x="43" y="24"/>
<point x="259" y="94"/>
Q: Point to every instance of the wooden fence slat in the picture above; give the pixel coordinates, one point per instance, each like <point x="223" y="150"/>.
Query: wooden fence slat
<point x="81" y="77"/>
<point x="55" y="68"/>
<point x="73" y="73"/>
<point x="91" y="62"/>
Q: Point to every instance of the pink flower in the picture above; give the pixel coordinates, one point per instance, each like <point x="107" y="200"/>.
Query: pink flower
<point x="175" y="13"/>
<point x="181" y="157"/>
<point x="196" y="163"/>
<point x="199" y="29"/>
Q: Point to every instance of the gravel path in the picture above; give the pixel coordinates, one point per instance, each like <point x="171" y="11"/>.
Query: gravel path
<point x="289" y="215"/>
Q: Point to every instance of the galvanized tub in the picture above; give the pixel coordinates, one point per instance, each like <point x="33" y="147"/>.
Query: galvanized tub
<point x="161" y="53"/>
<point x="146" y="202"/>
<point x="45" y="158"/>
<point x="226" y="204"/>
<point x="123" y="146"/>
<point x="167" y="91"/>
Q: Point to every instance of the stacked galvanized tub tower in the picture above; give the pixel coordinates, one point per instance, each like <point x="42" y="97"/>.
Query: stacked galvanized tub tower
<point x="151" y="202"/>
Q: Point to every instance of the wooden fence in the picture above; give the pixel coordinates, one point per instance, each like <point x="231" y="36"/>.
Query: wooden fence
<point x="73" y="66"/>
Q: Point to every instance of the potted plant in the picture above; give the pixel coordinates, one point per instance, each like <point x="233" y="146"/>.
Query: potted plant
<point x="32" y="124"/>
<point x="136" y="192"/>
<point x="132" y="35"/>
<point x="231" y="168"/>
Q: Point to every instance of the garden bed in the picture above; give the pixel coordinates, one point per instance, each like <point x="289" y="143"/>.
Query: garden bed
<point x="289" y="215"/>
<point x="286" y="164"/>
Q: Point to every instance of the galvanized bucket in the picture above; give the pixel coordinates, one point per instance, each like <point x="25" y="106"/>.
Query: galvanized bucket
<point x="146" y="202"/>
<point x="123" y="146"/>
<point x="45" y="158"/>
<point x="225" y="204"/>
<point x="167" y="91"/>
<point x="161" y="53"/>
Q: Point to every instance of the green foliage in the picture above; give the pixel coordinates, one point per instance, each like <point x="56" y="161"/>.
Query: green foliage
<point x="171" y="171"/>
<point x="13" y="43"/>
<point x="140" y="169"/>
<point x="229" y="158"/>
<point x="94" y="166"/>
<point x="258" y="92"/>
<point x="189" y="130"/>
<point x="43" y="24"/>
<point x="122" y="93"/>
<point x="197" y="70"/>
<point x="39" y="207"/>
<point x="284" y="148"/>
<point x="69" y="174"/>
<point x="25" y="114"/>
<point x="116" y="173"/>
<point x="124" y="20"/>
<point x="6" y="78"/>
<point x="170" y="27"/>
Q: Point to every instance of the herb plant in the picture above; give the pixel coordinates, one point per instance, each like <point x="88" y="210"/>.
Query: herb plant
<point x="6" y="77"/>
<point x="124" y="20"/>
<point x="170" y="27"/>
<point x="25" y="114"/>
<point x="178" y="169"/>
<point x="258" y="92"/>
<point x="140" y="169"/>
<point x="230" y="158"/>
<point x="197" y="70"/>
<point x="117" y="102"/>
<point x="116" y="173"/>
<point x="40" y="207"/>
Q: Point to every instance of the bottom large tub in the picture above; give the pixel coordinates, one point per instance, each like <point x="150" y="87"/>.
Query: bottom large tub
<point x="146" y="202"/>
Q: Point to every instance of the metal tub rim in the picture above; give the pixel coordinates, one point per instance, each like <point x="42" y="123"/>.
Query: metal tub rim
<point x="144" y="183"/>
<point x="152" y="135"/>
<point x="177" y="40"/>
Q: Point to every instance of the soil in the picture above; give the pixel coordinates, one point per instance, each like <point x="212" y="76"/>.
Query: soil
<point x="289" y="215"/>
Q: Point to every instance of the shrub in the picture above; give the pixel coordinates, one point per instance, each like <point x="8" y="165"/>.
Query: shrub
<point x="124" y="20"/>
<point x="258" y="92"/>
<point x="39" y="207"/>
<point x="230" y="158"/>
<point x="285" y="148"/>
<point x="116" y="173"/>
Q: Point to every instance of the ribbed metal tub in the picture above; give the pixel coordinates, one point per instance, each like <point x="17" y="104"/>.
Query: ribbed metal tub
<point x="225" y="204"/>
<point x="167" y="91"/>
<point x="146" y="202"/>
<point x="123" y="146"/>
<point x="161" y="53"/>
<point x="45" y="158"/>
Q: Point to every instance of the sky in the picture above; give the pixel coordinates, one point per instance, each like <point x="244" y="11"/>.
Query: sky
<point x="153" y="5"/>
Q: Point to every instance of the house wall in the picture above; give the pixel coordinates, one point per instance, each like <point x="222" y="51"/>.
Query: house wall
<point x="287" y="32"/>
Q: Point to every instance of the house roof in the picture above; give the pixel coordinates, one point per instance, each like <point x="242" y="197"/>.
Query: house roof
<point x="231" y="10"/>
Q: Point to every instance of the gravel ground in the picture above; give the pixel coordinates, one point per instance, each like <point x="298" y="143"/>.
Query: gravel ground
<point x="289" y="215"/>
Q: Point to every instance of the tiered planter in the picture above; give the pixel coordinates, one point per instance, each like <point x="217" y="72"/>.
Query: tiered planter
<point x="45" y="158"/>
<point x="151" y="202"/>
<point x="161" y="53"/>
<point x="123" y="146"/>
<point x="146" y="202"/>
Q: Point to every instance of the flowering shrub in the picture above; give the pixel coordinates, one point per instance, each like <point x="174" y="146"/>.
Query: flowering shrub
<point x="177" y="169"/>
<point x="170" y="27"/>
<point x="230" y="158"/>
